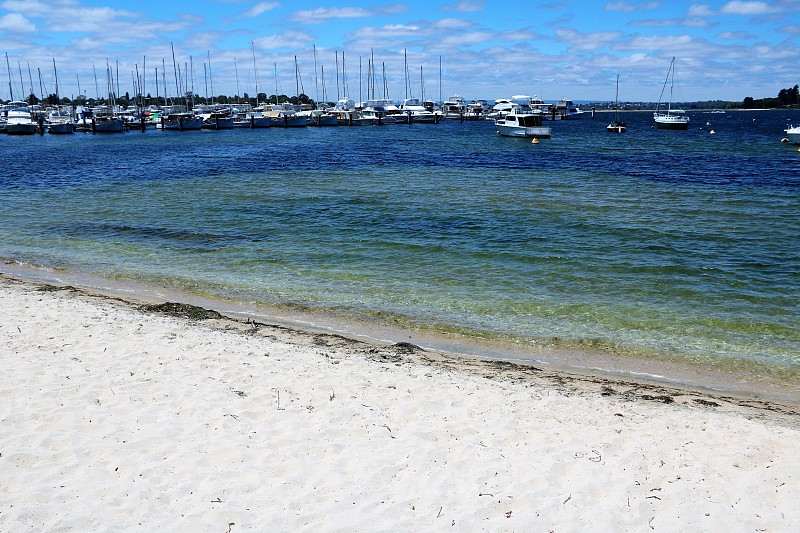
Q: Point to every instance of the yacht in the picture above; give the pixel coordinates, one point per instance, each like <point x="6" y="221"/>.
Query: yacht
<point x="417" y="113"/>
<point x="522" y="122"/>
<point x="455" y="107"/>
<point x="566" y="109"/>
<point x="19" y="120"/>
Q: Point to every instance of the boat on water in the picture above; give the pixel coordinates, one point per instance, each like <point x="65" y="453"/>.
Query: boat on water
<point x="566" y="109"/>
<point x="60" y="120"/>
<point x="181" y="121"/>
<point x="671" y="119"/>
<point x="454" y="107"/>
<point x="616" y="125"/>
<point x="522" y="122"/>
<point x="418" y="113"/>
<point x="19" y="120"/>
<point x="793" y="134"/>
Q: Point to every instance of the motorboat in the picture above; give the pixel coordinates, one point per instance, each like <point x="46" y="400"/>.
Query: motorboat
<point x="19" y="120"/>
<point x="181" y="121"/>
<point x="523" y="123"/>
<point x="793" y="134"/>
<point x="417" y="113"/>
<point x="454" y="107"/>
<point x="567" y="110"/>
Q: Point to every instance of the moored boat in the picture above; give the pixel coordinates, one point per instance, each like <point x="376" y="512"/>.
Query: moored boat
<point x="616" y="125"/>
<point x="19" y="120"/>
<point x="523" y="123"/>
<point x="793" y="134"/>
<point x="671" y="119"/>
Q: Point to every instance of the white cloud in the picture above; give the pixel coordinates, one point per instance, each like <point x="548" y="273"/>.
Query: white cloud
<point x="450" y="23"/>
<point x="467" y="38"/>
<point x="628" y="7"/>
<point x="464" y="7"/>
<point x="587" y="41"/>
<point x="287" y="39"/>
<point x="738" y="7"/>
<point x="699" y="10"/>
<point x="325" y="14"/>
<point x="261" y="8"/>
<point x="16" y="23"/>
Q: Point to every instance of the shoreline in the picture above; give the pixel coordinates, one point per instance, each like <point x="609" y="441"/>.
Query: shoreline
<point x="603" y="363"/>
<point x="121" y="414"/>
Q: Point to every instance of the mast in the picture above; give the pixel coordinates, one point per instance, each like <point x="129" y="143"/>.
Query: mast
<point x="30" y="79"/>
<point x="55" y="73"/>
<point x="175" y="71"/>
<point x="10" y="88"/>
<point x="316" y="80"/>
<point x="210" y="76"/>
<point x="255" y="70"/>
<point x="236" y="73"/>
<point x="338" y="97"/>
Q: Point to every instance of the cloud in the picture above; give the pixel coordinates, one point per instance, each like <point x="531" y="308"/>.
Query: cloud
<point x="628" y="7"/>
<point x="16" y="23"/>
<point x="287" y="39"/>
<point x="791" y="29"/>
<point x="746" y="8"/>
<point x="261" y="8"/>
<point x="464" y="7"/>
<point x="587" y="41"/>
<point x="694" y="22"/>
<point x="325" y="14"/>
<point x="735" y="36"/>
<point x="699" y="10"/>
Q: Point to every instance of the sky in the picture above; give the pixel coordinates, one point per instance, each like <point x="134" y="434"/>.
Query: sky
<point x="725" y="50"/>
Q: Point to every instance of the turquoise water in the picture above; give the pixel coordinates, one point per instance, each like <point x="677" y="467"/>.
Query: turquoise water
<point x="676" y="245"/>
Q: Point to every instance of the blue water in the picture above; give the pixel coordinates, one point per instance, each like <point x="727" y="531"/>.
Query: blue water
<point x="675" y="245"/>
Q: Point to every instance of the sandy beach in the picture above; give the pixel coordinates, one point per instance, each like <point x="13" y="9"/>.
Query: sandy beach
<point x="117" y="416"/>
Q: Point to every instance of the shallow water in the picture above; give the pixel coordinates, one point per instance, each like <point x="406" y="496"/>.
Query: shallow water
<point x="668" y="245"/>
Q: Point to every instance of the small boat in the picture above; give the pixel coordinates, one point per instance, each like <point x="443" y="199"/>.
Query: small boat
<point x="793" y="134"/>
<point x="523" y="123"/>
<point x="617" y="126"/>
<point x="567" y="110"/>
<point x="672" y="119"/>
<point x="19" y="120"/>
<point x="181" y="121"/>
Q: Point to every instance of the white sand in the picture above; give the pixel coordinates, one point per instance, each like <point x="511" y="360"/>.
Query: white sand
<point x="113" y="419"/>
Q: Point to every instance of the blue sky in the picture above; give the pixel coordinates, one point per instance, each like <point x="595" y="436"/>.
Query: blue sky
<point x="487" y="49"/>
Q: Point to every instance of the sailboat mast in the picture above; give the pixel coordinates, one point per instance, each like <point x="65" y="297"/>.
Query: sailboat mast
<point x="10" y="88"/>
<point x="255" y="70"/>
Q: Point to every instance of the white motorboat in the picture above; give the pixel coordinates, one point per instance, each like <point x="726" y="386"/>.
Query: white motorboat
<point x="523" y="123"/>
<point x="454" y="107"/>
<point x="793" y="134"/>
<point x="19" y="120"/>
<point x="417" y="113"/>
<point x="567" y="110"/>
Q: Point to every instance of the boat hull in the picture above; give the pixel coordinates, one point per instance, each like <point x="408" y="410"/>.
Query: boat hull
<point x="61" y="127"/>
<point x="21" y="128"/>
<point x="536" y="132"/>
<point x="793" y="134"/>
<point x="671" y="122"/>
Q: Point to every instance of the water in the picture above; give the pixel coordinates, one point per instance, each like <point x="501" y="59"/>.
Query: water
<point x="679" y="246"/>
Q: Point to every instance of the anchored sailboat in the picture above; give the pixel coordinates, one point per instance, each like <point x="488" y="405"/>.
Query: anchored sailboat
<point x="672" y="119"/>
<point x="617" y="126"/>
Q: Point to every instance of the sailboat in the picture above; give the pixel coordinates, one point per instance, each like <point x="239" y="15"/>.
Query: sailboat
<point x="672" y="119"/>
<point x="617" y="126"/>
